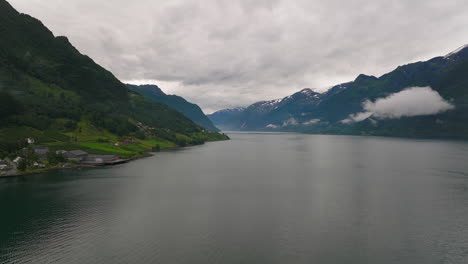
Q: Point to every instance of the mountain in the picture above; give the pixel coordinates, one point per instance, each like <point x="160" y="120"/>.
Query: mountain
<point x="192" y="111"/>
<point x="400" y="103"/>
<point x="266" y="115"/>
<point x="228" y="119"/>
<point x="51" y="91"/>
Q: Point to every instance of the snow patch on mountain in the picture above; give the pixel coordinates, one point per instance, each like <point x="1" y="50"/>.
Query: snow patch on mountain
<point x="455" y="51"/>
<point x="230" y="110"/>
<point x="307" y="91"/>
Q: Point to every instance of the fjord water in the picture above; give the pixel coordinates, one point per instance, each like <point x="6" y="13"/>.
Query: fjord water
<point x="259" y="198"/>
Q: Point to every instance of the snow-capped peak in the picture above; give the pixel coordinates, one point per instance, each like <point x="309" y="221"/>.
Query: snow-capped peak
<point x="237" y="108"/>
<point x="230" y="110"/>
<point x="306" y="91"/>
<point x="268" y="103"/>
<point x="456" y="51"/>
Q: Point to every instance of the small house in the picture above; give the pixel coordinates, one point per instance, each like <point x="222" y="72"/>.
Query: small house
<point x="38" y="165"/>
<point x="17" y="160"/>
<point x="100" y="159"/>
<point x="64" y="165"/>
<point x="75" y="155"/>
<point x="41" y="151"/>
<point x="4" y="165"/>
<point x="31" y="140"/>
<point x="127" y="140"/>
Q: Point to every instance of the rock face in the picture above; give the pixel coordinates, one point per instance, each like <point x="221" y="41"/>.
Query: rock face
<point x="341" y="110"/>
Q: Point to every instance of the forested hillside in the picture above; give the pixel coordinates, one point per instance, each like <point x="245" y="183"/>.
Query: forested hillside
<point x="192" y="111"/>
<point x="50" y="91"/>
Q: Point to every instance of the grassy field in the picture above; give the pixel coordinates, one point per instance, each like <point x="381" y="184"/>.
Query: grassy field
<point x="85" y="137"/>
<point x="104" y="148"/>
<point x="96" y="141"/>
<point x="88" y="138"/>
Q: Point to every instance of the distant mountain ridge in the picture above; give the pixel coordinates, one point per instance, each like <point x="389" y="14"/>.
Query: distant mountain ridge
<point x="228" y="119"/>
<point x="190" y="110"/>
<point x="329" y="112"/>
<point x="265" y="114"/>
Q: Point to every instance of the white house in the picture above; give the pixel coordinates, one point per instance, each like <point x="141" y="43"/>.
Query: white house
<point x="4" y="165"/>
<point x="38" y="165"/>
<point x="17" y="160"/>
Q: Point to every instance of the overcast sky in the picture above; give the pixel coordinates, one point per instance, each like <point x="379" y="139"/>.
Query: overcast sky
<point x="224" y="53"/>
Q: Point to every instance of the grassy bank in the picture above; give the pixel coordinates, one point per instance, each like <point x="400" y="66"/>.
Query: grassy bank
<point x="92" y="140"/>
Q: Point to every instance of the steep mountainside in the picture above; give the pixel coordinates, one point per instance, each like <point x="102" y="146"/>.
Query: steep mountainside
<point x="49" y="90"/>
<point x="356" y="107"/>
<point x="192" y="111"/>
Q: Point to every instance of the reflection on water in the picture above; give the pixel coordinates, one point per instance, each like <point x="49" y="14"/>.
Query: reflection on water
<point x="259" y="198"/>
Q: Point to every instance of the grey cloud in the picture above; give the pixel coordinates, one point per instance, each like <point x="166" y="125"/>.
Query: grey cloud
<point x="414" y="101"/>
<point x="253" y="50"/>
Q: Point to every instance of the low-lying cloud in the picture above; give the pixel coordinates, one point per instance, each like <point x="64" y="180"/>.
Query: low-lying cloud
<point x="290" y="122"/>
<point x="413" y="101"/>
<point x="357" y="117"/>
<point x="311" y="122"/>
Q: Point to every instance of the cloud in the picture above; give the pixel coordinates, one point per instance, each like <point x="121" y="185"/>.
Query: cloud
<point x="294" y="122"/>
<point x="357" y="117"/>
<point x="272" y="126"/>
<point x="413" y="101"/>
<point x="220" y="53"/>
<point x="311" y="122"/>
<point x="290" y="122"/>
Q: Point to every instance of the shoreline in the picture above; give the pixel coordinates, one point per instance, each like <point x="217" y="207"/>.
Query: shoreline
<point x="77" y="166"/>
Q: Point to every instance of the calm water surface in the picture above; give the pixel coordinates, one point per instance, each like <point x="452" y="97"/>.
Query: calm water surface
<point x="259" y="198"/>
